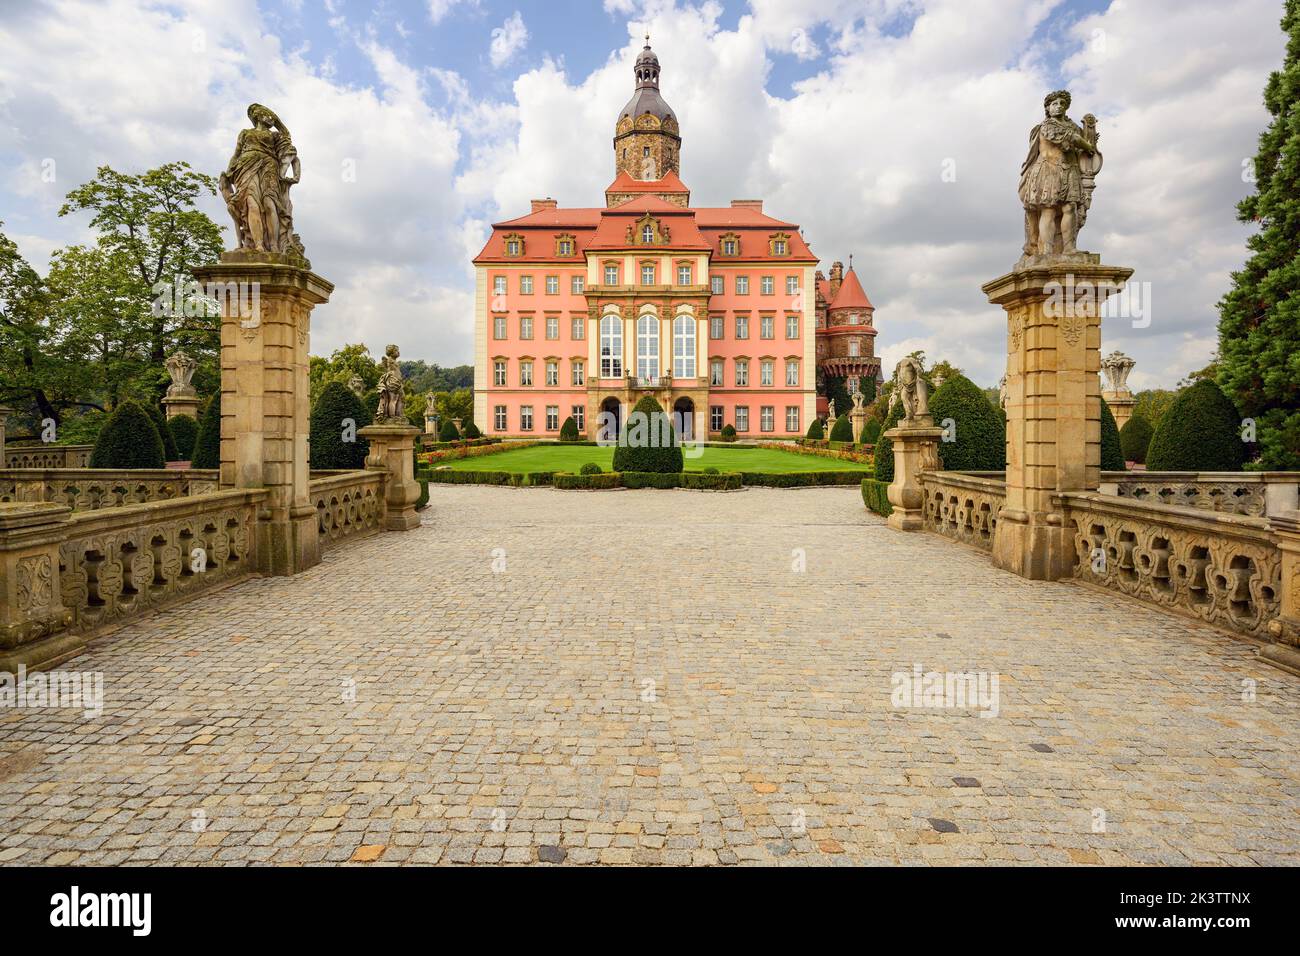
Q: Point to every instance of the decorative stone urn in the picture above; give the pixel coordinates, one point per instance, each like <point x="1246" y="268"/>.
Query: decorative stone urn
<point x="181" y="397"/>
<point x="1118" y="395"/>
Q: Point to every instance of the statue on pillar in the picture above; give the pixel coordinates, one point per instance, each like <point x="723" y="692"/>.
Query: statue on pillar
<point x="255" y="185"/>
<point x="912" y="390"/>
<point x="392" y="402"/>
<point x="1057" y="179"/>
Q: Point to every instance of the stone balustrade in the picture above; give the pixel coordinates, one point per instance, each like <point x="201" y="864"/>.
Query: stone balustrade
<point x="1219" y="567"/>
<point x="47" y="456"/>
<point x="348" y="504"/>
<point x="1252" y="493"/>
<point x="89" y="489"/>
<point x="963" y="506"/>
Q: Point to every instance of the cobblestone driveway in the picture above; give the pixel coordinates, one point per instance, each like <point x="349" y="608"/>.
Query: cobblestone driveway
<point x="649" y="680"/>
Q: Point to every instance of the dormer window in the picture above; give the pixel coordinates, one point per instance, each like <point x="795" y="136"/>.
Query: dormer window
<point x="514" y="245"/>
<point x="778" y="247"/>
<point x="779" y="244"/>
<point x="564" y="244"/>
<point x="729" y="244"/>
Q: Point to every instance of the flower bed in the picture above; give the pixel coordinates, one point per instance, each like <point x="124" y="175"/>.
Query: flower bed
<point x="845" y="451"/>
<point x="480" y="446"/>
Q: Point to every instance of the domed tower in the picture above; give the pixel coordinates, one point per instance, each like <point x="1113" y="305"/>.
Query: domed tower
<point x="647" y="140"/>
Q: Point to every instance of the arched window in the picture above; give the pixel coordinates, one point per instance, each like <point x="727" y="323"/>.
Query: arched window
<point x="611" y="346"/>
<point x="647" y="347"/>
<point x="684" y="346"/>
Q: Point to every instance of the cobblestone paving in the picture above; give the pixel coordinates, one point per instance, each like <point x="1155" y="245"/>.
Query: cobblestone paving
<point x="650" y="681"/>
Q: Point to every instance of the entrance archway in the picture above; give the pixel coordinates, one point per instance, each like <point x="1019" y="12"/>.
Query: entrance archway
<point x="684" y="419"/>
<point x="610" y="422"/>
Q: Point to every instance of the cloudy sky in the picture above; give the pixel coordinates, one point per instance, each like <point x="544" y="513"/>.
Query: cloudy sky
<point x="420" y="122"/>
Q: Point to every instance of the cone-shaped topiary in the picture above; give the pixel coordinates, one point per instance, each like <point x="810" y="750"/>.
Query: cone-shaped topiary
<point x="870" y="432"/>
<point x="1112" y="453"/>
<point x="648" y="441"/>
<point x="160" y="422"/>
<point x="335" y="422"/>
<point x="978" y="436"/>
<point x="842" y="430"/>
<point x="471" y="430"/>
<point x="129" y="439"/>
<point x="728" y="432"/>
<point x="447" y="431"/>
<point x="184" y="429"/>
<point x="1134" y="438"/>
<point x="569" y="430"/>
<point x="1199" y="432"/>
<point x="816" y="431"/>
<point x="207" y="444"/>
<point x="884" y="463"/>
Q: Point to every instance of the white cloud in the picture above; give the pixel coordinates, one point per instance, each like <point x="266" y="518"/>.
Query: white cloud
<point x="507" y="40"/>
<point x="439" y="9"/>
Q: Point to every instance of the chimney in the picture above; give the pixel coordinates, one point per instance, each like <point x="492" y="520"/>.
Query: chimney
<point x="837" y="276"/>
<point x="540" y="204"/>
<point x="754" y="204"/>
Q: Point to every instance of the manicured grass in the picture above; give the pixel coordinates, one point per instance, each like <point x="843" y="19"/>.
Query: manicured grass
<point x="571" y="458"/>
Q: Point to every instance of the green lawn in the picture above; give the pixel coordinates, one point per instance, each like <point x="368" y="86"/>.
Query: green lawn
<point x="571" y="458"/>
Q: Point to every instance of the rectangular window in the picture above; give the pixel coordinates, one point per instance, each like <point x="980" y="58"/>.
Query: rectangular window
<point x="765" y="372"/>
<point x="499" y="374"/>
<point x="512" y="247"/>
<point x="778" y="247"/>
<point x="579" y="416"/>
<point x="742" y="373"/>
<point x="742" y="418"/>
<point x="565" y="247"/>
<point x="498" y="285"/>
<point x="715" y="418"/>
<point x="552" y="418"/>
<point x="716" y="285"/>
<point x="767" y="285"/>
<point x="526" y="285"/>
<point x="767" y="418"/>
<point x="611" y="275"/>
<point x="552" y="373"/>
<point x="552" y="326"/>
<point x="579" y="330"/>
<point x="525" y="326"/>
<point x="577" y="284"/>
<point x="742" y="326"/>
<point x="792" y="326"/>
<point x="729" y="247"/>
<point x="499" y="418"/>
<point x="647" y="275"/>
<point x="683" y="275"/>
<point x="526" y="418"/>
<point x="552" y="285"/>
<point x="853" y="348"/>
<point x="715" y="326"/>
<point x="792" y="374"/>
<point x="767" y="327"/>
<point x="578" y="373"/>
<point x="525" y="373"/>
<point x="792" y="418"/>
<point x="742" y="285"/>
<point x="498" y="326"/>
<point x="715" y="372"/>
<point x="791" y="285"/>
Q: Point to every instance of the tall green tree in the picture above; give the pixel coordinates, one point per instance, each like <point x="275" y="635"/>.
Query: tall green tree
<point x="1259" y="319"/>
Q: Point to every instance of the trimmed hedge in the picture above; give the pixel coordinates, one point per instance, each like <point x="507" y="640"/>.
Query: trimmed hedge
<point x="648" y="426"/>
<point x="160" y="422"/>
<point x="842" y="430"/>
<point x="1112" y="456"/>
<point x="569" y="430"/>
<point x="448" y="432"/>
<point x="423" y="501"/>
<point x="567" y="482"/>
<point x="184" y="430"/>
<point x="800" y="479"/>
<point x="207" y="444"/>
<point x="875" y="495"/>
<point x="1135" y="437"/>
<point x="816" y="430"/>
<point x="870" y="432"/>
<point x="590" y="468"/>
<point x="450" y="476"/>
<point x="328" y="449"/>
<point x="129" y="439"/>
<point x="1200" y="431"/>
<point x="980" y="439"/>
<point x="884" y="450"/>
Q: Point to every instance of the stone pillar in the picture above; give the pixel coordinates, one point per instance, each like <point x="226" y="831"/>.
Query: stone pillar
<point x="1285" y="628"/>
<point x="392" y="450"/>
<point x="1120" y="406"/>
<point x="31" y="605"/>
<point x="916" y="449"/>
<point x="1053" y="404"/>
<point x="174" y="405"/>
<point x="265" y="403"/>
<point x="430" y="422"/>
<point x="858" y="419"/>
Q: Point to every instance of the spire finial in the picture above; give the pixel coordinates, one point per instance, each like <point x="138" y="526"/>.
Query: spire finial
<point x="850" y="261"/>
<point x="647" y="41"/>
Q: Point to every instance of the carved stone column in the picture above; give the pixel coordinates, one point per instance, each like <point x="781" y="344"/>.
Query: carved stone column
<point x="858" y="419"/>
<point x="1053" y="403"/>
<point x="1285" y="628"/>
<point x="31" y="606"/>
<point x="916" y="449"/>
<point x="265" y="403"/>
<point x="392" y="450"/>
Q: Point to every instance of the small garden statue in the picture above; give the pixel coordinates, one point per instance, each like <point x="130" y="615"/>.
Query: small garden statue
<point x="392" y="402"/>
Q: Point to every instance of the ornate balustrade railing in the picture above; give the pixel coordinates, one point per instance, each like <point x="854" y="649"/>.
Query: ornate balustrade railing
<point x="46" y="456"/>
<point x="963" y="506"/>
<point x="1219" y="567"/>
<point x="348" y="504"/>
<point x="89" y="489"/>
<point x="1251" y="493"/>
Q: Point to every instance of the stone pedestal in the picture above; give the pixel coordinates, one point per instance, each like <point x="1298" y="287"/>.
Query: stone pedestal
<point x="858" y="419"/>
<point x="266" y="301"/>
<point x="1285" y="628"/>
<point x="916" y="449"/>
<point x="31" y="605"/>
<point x="392" y="450"/>
<point x="1053" y="403"/>
<point x="182" y="404"/>
<point x="430" y="424"/>
<point x="1121" y="405"/>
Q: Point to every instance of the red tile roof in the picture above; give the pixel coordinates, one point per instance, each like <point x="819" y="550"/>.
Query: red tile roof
<point x="851" y="294"/>
<point x="669" y="183"/>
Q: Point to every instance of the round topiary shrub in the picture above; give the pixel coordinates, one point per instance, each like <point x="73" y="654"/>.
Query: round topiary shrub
<point x="207" y="444"/>
<point x="1134" y="438"/>
<point x="710" y="470"/>
<point x="471" y="430"/>
<point x="447" y="431"/>
<point x="569" y="430"/>
<point x="129" y="439"/>
<point x="978" y="437"/>
<point x="842" y="430"/>
<point x="871" y="432"/>
<point x="884" y="463"/>
<point x="1200" y="431"/>
<point x="728" y="432"/>
<point x="648" y="441"/>
<point x="816" y="430"/>
<point x="184" y="429"/>
<point x="160" y="422"/>
<point x="331" y="431"/>
<point x="1112" y="455"/>
<point x="590" y="468"/>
